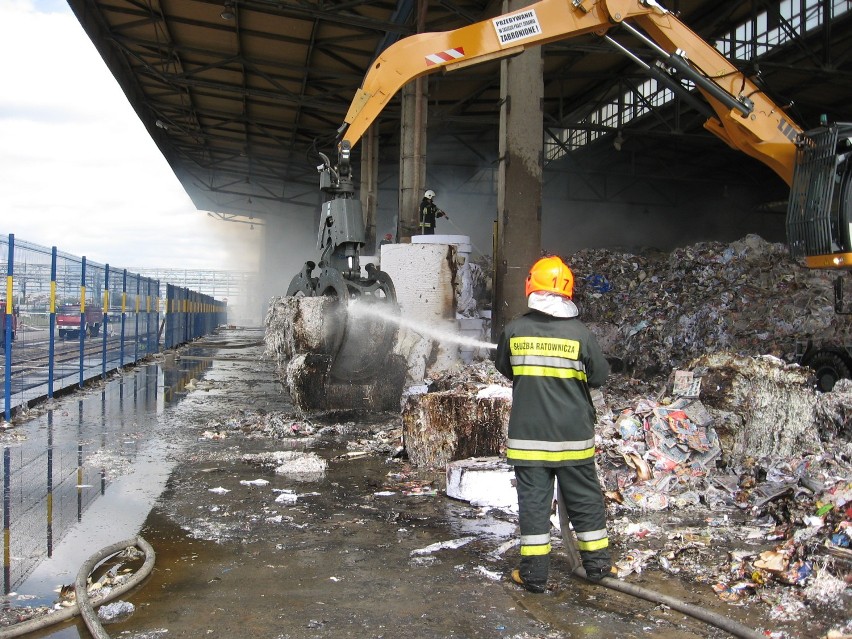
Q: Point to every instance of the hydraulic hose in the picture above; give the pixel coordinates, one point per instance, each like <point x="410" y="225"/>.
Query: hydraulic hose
<point x="84" y="605"/>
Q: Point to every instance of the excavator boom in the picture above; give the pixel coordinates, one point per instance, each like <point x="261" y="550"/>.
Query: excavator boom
<point x="741" y="114"/>
<point x="819" y="218"/>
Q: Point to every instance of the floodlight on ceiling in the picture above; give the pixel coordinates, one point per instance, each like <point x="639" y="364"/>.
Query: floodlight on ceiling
<point x="228" y="11"/>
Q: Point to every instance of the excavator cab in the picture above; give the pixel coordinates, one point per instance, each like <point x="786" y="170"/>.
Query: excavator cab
<point x="819" y="230"/>
<point x="819" y="213"/>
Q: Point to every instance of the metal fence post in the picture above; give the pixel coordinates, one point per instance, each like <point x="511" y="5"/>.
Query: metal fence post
<point x="7" y="337"/>
<point x="147" y="315"/>
<point x="168" y="319"/>
<point x="51" y="348"/>
<point x="81" y="332"/>
<point x="7" y="519"/>
<point x="157" y="319"/>
<point x="105" y="322"/>
<point x="123" y="316"/>
<point x="138" y="303"/>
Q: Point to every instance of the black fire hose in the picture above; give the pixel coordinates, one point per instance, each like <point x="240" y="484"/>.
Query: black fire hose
<point x="714" y="619"/>
<point x="85" y="606"/>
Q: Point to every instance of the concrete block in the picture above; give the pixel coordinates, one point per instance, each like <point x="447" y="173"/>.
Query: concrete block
<point x="484" y="481"/>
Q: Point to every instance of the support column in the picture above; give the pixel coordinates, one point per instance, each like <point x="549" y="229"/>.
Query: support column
<point x="370" y="186"/>
<point x="519" y="181"/>
<point x="412" y="161"/>
<point x="412" y="147"/>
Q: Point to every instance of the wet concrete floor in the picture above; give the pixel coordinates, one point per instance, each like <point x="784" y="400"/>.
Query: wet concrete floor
<point x="338" y="556"/>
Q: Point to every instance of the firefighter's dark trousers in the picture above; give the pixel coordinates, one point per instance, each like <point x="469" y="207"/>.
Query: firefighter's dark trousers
<point x="581" y="492"/>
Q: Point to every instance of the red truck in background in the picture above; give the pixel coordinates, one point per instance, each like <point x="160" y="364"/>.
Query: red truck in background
<point x="68" y="320"/>
<point x="3" y="324"/>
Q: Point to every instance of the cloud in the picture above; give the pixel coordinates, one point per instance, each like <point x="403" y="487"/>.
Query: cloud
<point x="78" y="170"/>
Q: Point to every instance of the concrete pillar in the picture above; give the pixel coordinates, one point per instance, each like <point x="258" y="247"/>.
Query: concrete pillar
<point x="412" y="146"/>
<point x="519" y="182"/>
<point x="412" y="161"/>
<point x="369" y="186"/>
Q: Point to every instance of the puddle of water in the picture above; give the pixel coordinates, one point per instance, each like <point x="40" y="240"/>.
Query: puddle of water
<point x="85" y="475"/>
<point x="117" y="513"/>
<point x="65" y="464"/>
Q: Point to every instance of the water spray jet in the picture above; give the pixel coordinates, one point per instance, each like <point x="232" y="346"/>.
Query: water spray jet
<point x="378" y="312"/>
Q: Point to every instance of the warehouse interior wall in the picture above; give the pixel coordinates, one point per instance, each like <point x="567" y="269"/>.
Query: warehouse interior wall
<point x="624" y="214"/>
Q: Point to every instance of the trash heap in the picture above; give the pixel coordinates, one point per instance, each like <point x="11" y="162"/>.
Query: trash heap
<point x="739" y="474"/>
<point x="657" y="311"/>
<point x="750" y="531"/>
<point x="688" y="445"/>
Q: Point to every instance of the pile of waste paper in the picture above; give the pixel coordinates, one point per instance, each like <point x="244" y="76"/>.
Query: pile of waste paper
<point x="655" y="311"/>
<point x="750" y="528"/>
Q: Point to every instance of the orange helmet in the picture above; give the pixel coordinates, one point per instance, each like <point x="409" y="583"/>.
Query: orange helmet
<point x="550" y="274"/>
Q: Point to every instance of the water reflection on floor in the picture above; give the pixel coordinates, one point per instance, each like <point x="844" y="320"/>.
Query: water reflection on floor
<point x="86" y="474"/>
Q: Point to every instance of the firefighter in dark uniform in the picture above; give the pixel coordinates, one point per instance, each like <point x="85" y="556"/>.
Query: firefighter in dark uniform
<point x="429" y="212"/>
<point x="553" y="360"/>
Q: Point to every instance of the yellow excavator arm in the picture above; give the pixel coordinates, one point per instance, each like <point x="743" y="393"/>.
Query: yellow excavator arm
<point x="743" y="116"/>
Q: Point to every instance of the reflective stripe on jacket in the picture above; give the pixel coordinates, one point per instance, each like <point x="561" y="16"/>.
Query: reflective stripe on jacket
<point x="552" y="363"/>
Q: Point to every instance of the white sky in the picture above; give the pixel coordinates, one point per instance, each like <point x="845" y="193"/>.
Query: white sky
<point x="78" y="170"/>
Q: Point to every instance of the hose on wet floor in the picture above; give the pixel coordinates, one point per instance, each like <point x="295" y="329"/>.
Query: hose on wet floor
<point x="722" y="622"/>
<point x="714" y="619"/>
<point x="85" y="606"/>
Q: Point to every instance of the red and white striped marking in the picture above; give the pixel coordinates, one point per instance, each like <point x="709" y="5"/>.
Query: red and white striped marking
<point x="444" y="56"/>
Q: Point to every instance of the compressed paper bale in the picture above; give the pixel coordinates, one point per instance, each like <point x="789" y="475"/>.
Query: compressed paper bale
<point x="425" y="276"/>
<point x="305" y="335"/>
<point x="371" y="336"/>
<point x="298" y="325"/>
<point x="382" y="393"/>
<point x="428" y="273"/>
<point x="438" y="428"/>
<point x="834" y="411"/>
<point x="305" y="378"/>
<point x="311" y="387"/>
<point x="761" y="406"/>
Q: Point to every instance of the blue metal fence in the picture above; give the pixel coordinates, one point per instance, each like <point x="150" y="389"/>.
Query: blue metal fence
<point x="66" y="320"/>
<point x="188" y="313"/>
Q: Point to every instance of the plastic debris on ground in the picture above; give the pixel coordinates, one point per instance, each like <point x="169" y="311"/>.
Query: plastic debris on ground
<point x="452" y="544"/>
<point x="115" y="612"/>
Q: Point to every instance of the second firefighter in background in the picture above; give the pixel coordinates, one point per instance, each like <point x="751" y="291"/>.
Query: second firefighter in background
<point x="553" y="360"/>
<point x="429" y="213"/>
